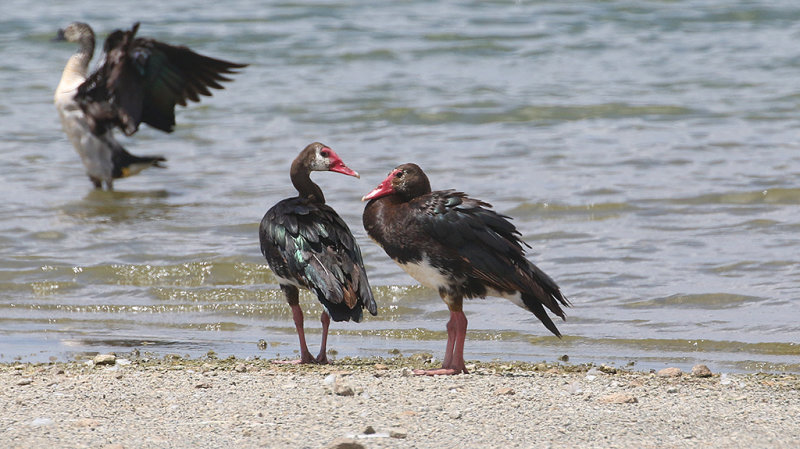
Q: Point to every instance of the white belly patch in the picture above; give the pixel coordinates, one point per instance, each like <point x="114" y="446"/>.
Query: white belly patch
<point x="426" y="274"/>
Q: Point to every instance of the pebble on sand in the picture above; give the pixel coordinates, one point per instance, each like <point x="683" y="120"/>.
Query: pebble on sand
<point x="618" y="398"/>
<point x="339" y="387"/>
<point x="26" y="381"/>
<point x="398" y="433"/>
<point x="670" y="372"/>
<point x="87" y="422"/>
<point x="105" y="359"/>
<point x="41" y="422"/>
<point x="701" y="371"/>
<point x="342" y="389"/>
<point x="504" y="391"/>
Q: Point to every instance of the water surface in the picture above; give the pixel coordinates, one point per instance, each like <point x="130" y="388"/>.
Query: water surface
<point x="648" y="152"/>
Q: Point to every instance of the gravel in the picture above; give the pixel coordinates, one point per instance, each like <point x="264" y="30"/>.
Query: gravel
<point x="212" y="403"/>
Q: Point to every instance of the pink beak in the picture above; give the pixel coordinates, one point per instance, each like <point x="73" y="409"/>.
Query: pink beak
<point x="383" y="189"/>
<point x="338" y="166"/>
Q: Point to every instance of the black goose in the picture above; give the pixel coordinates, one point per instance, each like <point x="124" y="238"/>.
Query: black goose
<point x="460" y="248"/>
<point x="140" y="80"/>
<point x="307" y="245"/>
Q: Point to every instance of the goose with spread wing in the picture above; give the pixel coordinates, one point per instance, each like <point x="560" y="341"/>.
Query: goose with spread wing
<point x="140" y="80"/>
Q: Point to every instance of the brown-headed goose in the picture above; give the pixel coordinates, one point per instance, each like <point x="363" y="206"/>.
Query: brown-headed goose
<point x="307" y="245"/>
<point x="459" y="247"/>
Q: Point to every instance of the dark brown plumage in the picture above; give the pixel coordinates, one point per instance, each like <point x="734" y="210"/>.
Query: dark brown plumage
<point x="142" y="80"/>
<point x="459" y="247"/>
<point x="307" y="245"/>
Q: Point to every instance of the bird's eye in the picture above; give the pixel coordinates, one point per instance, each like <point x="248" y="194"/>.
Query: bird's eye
<point x="398" y="174"/>
<point x="324" y="153"/>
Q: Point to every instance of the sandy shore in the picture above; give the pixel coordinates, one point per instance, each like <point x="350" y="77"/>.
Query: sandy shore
<point x="376" y="403"/>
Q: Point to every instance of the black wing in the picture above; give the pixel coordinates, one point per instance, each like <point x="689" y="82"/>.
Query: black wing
<point x="143" y="79"/>
<point x="310" y="244"/>
<point x="488" y="246"/>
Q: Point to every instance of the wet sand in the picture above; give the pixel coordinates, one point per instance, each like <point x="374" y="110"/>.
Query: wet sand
<point x="136" y="402"/>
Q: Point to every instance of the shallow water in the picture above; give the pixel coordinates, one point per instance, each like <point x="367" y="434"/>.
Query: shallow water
<point x="648" y="152"/>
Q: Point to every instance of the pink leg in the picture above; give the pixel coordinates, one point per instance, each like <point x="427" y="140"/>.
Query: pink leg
<point x="457" y="362"/>
<point x="454" y="353"/>
<point x="305" y="356"/>
<point x="451" y="339"/>
<point x="326" y="321"/>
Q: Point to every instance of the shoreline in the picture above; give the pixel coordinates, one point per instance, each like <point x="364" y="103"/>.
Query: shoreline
<point x="376" y="402"/>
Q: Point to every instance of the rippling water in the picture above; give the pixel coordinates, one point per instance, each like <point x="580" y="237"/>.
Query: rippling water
<point x="648" y="151"/>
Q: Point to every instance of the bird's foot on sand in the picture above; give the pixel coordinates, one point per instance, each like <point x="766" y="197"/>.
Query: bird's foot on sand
<point x="440" y="371"/>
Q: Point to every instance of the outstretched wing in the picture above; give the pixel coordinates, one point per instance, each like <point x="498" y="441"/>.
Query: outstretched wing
<point x="488" y="245"/>
<point x="143" y="79"/>
<point x="311" y="245"/>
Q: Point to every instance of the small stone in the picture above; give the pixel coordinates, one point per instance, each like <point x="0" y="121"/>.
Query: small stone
<point x="669" y="372"/>
<point x="540" y="367"/>
<point x="241" y="368"/>
<point x="369" y="430"/>
<point x="672" y="390"/>
<point x="342" y="389"/>
<point x="422" y="356"/>
<point x="405" y="372"/>
<point x="575" y="388"/>
<point x="607" y="369"/>
<point x="618" y="398"/>
<point x="105" y="359"/>
<point x="701" y="371"/>
<point x="262" y="344"/>
<point x="344" y="443"/>
<point x="455" y="415"/>
<point x="398" y="433"/>
<point x="381" y="366"/>
<point x="564" y="358"/>
<point x="25" y="382"/>
<point x="504" y="391"/>
<point x="203" y="385"/>
<point x="41" y="422"/>
<point x="87" y="422"/>
<point x="394" y="351"/>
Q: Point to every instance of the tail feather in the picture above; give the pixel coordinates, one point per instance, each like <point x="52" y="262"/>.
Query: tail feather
<point x="535" y="306"/>
<point x="545" y="293"/>
<point x="126" y="164"/>
<point x="341" y="312"/>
